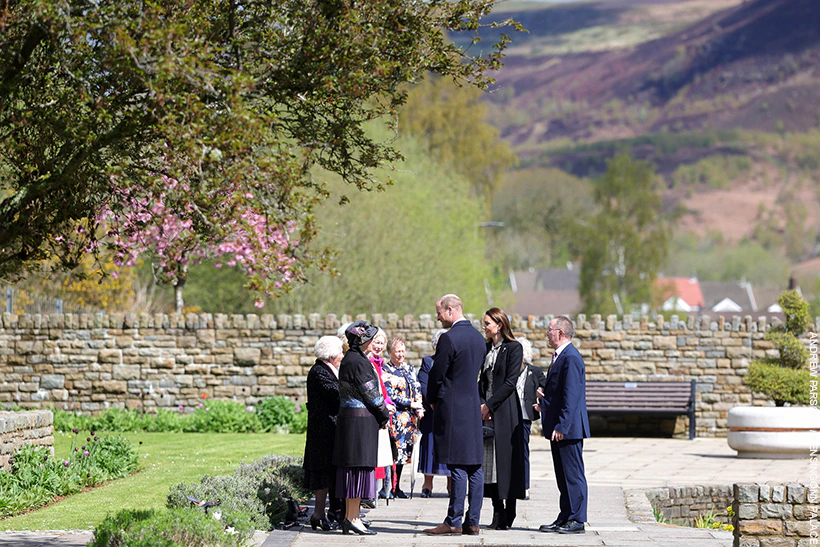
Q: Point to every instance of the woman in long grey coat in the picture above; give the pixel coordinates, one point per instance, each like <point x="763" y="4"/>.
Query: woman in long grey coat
<point x="504" y="463"/>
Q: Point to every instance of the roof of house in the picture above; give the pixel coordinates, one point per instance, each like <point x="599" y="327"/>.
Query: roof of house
<point x="715" y="292"/>
<point x="685" y="288"/>
<point x="546" y="303"/>
<point x="557" y="279"/>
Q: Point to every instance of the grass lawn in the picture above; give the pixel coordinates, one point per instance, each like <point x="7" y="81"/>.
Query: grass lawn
<point x="166" y="459"/>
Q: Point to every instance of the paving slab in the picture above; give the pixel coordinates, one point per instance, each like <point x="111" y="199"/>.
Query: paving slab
<point x="616" y="468"/>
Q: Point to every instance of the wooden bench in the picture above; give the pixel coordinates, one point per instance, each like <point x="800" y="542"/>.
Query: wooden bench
<point x="658" y="398"/>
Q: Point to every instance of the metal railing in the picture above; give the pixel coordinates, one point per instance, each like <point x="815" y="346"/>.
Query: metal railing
<point x="17" y="301"/>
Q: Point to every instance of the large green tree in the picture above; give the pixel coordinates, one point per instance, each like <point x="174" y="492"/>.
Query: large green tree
<point x="625" y="243"/>
<point x="207" y="113"/>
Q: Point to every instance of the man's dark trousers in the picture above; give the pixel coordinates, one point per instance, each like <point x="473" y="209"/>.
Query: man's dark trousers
<point x="568" y="461"/>
<point x="465" y="479"/>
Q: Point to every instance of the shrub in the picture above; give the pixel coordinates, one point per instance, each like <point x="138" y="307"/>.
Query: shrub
<point x="171" y="528"/>
<point x="787" y="379"/>
<point x="223" y="417"/>
<point x="36" y="478"/>
<point x="276" y="413"/>
<point x="780" y="384"/>
<point x="258" y="491"/>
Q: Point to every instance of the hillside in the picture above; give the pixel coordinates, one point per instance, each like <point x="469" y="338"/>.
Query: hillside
<point x="722" y="96"/>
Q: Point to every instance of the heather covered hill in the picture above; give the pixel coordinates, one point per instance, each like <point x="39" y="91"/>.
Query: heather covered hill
<point x="749" y="66"/>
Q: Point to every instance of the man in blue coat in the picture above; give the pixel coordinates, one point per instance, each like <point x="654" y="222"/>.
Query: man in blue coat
<point x="565" y="423"/>
<point x="452" y="391"/>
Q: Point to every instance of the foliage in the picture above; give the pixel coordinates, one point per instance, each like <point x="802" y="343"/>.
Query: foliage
<point x="796" y="311"/>
<point x="259" y="491"/>
<point x="659" y="515"/>
<point x="625" y="243"/>
<point x="536" y="205"/>
<point x="786" y="380"/>
<point x="712" y="259"/>
<point x="195" y="123"/>
<point x="222" y="417"/>
<point x="449" y="121"/>
<point x="391" y="245"/>
<point x="35" y="478"/>
<point x="276" y="414"/>
<point x="780" y="384"/>
<point x="173" y="528"/>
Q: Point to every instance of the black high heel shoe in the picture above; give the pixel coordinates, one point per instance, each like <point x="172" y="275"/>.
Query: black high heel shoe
<point x="322" y="523"/>
<point x="348" y="526"/>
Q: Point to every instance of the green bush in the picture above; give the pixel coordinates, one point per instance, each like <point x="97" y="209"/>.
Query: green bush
<point x="276" y="413"/>
<point x="171" y="528"/>
<point x="223" y="417"/>
<point x="787" y="379"/>
<point x="35" y="478"/>
<point x="258" y="491"/>
<point x="780" y="384"/>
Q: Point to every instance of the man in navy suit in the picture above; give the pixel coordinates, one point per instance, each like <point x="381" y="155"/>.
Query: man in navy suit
<point x="565" y="422"/>
<point x="452" y="391"/>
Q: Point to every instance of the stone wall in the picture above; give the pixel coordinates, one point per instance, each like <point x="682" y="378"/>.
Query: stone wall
<point x="683" y="504"/>
<point x="90" y="362"/>
<point x="775" y="515"/>
<point x="27" y="427"/>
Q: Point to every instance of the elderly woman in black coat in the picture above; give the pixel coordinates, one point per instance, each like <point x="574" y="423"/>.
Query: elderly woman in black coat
<point x="322" y="407"/>
<point x="504" y="480"/>
<point x="362" y="412"/>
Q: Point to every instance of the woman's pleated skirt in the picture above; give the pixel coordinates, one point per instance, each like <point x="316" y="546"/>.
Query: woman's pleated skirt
<point x="355" y="482"/>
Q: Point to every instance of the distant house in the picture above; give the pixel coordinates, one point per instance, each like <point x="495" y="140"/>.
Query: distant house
<point x="729" y="297"/>
<point x="552" y="291"/>
<point x="680" y="294"/>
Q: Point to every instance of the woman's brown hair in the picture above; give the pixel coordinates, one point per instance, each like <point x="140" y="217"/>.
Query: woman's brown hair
<point x="500" y="316"/>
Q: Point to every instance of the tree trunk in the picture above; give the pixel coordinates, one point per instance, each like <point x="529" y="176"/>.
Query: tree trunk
<point x="182" y="277"/>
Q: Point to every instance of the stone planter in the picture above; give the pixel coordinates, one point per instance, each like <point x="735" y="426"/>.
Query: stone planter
<point x="773" y="432"/>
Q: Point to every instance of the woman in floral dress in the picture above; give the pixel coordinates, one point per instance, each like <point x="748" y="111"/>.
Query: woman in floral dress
<point x="400" y="380"/>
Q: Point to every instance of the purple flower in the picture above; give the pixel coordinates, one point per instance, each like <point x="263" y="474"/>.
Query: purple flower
<point x="298" y="408"/>
<point x="248" y="409"/>
<point x="83" y="447"/>
<point x="45" y="457"/>
<point x="96" y="439"/>
<point x="180" y="407"/>
<point x="88" y="439"/>
<point x="207" y="409"/>
<point x="88" y="474"/>
<point x="77" y="449"/>
<point x="85" y="453"/>
<point x="201" y="405"/>
<point x="75" y="430"/>
<point x="65" y="463"/>
<point x="92" y="432"/>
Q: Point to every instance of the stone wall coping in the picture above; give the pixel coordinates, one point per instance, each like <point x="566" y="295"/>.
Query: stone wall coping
<point x="331" y="322"/>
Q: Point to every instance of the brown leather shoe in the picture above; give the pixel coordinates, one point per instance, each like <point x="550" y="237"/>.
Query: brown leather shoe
<point x="470" y="530"/>
<point x="443" y="529"/>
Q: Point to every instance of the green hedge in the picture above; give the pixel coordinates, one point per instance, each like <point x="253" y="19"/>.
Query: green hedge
<point x="273" y="414"/>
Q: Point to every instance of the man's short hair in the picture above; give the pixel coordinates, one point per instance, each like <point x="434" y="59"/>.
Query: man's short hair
<point x="565" y="324"/>
<point x="451" y="301"/>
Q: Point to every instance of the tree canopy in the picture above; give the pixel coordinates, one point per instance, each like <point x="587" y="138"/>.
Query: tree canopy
<point x="626" y="242"/>
<point x="181" y="125"/>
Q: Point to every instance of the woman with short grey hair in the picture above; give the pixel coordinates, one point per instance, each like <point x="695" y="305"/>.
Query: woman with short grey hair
<point x="322" y="408"/>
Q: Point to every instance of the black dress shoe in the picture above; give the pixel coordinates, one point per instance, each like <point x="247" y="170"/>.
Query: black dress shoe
<point x="348" y="527"/>
<point x="426" y="493"/>
<point x="399" y="493"/>
<point x="368" y="504"/>
<point x="321" y="522"/>
<point x="552" y="527"/>
<point x="571" y="527"/>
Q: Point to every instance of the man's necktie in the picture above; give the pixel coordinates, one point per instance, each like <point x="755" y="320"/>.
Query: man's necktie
<point x="554" y="356"/>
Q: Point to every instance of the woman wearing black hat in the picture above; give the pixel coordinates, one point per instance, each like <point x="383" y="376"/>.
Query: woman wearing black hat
<point x="362" y="412"/>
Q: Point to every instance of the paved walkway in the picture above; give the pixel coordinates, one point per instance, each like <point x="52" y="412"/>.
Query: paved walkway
<point x="613" y="465"/>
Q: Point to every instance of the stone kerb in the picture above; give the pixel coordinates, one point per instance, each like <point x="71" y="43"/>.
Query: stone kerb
<point x="34" y="427"/>
<point x="90" y="362"/>
<point x="775" y="515"/>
